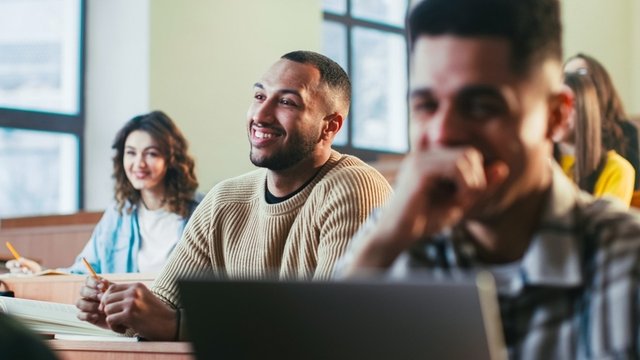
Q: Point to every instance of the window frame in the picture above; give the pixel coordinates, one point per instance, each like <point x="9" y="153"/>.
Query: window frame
<point x="349" y="22"/>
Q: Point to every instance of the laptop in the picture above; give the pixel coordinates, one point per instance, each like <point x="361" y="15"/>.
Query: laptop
<point x="364" y="319"/>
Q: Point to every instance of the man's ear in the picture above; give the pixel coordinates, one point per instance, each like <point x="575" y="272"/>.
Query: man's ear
<point x="333" y="125"/>
<point x="560" y="108"/>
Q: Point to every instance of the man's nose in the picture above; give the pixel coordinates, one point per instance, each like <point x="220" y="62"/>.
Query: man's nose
<point x="263" y="112"/>
<point x="445" y="129"/>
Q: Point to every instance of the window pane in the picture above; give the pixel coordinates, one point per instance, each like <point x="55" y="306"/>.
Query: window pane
<point x="38" y="173"/>
<point x="334" y="45"/>
<point x="40" y="55"/>
<point x="335" y="6"/>
<point x="334" y="42"/>
<point x="380" y="87"/>
<point x="390" y="12"/>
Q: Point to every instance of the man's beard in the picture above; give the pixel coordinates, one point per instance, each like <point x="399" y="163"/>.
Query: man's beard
<point x="297" y="150"/>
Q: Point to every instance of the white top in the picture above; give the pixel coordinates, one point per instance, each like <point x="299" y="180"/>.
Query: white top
<point x="508" y="277"/>
<point x="159" y="233"/>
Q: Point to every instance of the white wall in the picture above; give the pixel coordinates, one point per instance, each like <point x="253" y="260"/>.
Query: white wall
<point x="117" y="85"/>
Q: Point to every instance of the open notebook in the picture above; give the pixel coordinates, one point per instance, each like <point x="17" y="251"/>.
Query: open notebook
<point x="39" y="273"/>
<point x="421" y="319"/>
<point x="53" y="318"/>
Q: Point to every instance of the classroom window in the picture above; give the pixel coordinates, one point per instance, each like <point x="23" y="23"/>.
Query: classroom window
<point x="41" y="172"/>
<point x="367" y="38"/>
<point x="41" y="106"/>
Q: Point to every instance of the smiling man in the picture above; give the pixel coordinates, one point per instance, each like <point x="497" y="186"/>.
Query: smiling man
<point x="292" y="218"/>
<point x="479" y="191"/>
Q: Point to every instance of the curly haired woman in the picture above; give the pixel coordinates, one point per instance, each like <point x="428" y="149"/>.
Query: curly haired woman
<point x="154" y="197"/>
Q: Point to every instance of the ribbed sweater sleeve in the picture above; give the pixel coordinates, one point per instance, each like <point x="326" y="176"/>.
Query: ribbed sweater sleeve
<point x="235" y="233"/>
<point x="341" y="203"/>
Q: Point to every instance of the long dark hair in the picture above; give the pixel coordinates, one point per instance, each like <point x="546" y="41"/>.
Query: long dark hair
<point x="610" y="104"/>
<point x="589" y="152"/>
<point x="180" y="181"/>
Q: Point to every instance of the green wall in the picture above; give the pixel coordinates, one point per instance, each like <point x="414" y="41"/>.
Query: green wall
<point x="609" y="31"/>
<point x="205" y="57"/>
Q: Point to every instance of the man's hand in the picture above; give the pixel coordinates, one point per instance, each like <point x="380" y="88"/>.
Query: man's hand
<point x="435" y="189"/>
<point x="134" y="306"/>
<point x="89" y="302"/>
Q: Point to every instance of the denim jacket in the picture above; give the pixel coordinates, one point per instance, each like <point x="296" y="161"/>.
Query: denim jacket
<point x="114" y="244"/>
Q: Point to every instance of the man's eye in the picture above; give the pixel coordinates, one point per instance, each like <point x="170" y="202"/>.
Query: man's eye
<point x="482" y="109"/>
<point x="259" y="97"/>
<point x="288" y="102"/>
<point x="425" y="107"/>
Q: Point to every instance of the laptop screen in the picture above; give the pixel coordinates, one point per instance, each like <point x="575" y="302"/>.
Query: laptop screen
<point x="343" y="320"/>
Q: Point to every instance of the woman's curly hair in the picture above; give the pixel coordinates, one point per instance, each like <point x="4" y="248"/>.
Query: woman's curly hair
<point x="180" y="181"/>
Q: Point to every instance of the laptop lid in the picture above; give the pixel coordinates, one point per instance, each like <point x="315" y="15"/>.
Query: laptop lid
<point x="343" y="320"/>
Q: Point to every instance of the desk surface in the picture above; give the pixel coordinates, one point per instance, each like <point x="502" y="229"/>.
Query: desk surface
<point x="113" y="350"/>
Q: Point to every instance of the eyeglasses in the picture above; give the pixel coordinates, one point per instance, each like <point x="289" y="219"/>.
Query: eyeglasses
<point x="582" y="71"/>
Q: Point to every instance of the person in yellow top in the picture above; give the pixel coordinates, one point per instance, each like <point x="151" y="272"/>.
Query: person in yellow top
<point x="615" y="179"/>
<point x="581" y="154"/>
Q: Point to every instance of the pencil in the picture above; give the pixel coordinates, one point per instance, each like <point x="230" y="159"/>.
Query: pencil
<point x="13" y="251"/>
<point x="93" y="272"/>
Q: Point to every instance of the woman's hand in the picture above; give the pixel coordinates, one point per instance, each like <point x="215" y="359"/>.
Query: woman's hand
<point x="23" y="266"/>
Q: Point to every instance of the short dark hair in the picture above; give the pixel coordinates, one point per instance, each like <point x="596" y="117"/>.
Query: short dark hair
<point x="532" y="27"/>
<point x="180" y="180"/>
<point x="331" y="73"/>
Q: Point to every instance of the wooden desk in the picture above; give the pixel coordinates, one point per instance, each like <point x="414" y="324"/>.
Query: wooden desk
<point x="111" y="350"/>
<point x="63" y="288"/>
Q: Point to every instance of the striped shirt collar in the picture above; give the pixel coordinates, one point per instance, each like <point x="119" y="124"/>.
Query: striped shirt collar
<point x="554" y="258"/>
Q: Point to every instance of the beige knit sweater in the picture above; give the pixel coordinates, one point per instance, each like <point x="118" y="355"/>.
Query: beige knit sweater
<point x="236" y="233"/>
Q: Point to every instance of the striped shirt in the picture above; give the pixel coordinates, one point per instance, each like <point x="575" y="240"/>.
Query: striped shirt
<point x="575" y="293"/>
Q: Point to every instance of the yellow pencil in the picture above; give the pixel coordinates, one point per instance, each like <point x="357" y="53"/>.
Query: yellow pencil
<point x="90" y="268"/>
<point x="13" y="251"/>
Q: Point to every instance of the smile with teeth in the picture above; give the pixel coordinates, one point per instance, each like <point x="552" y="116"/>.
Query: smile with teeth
<point x="264" y="135"/>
